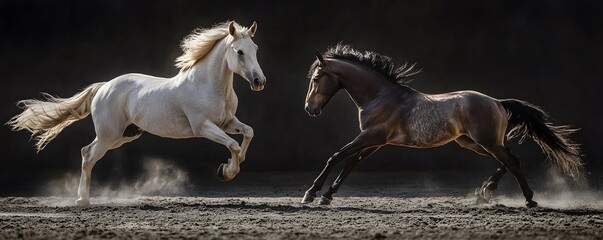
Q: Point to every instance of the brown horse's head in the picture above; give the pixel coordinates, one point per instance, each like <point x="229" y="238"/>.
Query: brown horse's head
<point x="323" y="85"/>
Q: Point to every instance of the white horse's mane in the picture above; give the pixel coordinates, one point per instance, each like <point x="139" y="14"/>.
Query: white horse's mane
<point x="197" y="44"/>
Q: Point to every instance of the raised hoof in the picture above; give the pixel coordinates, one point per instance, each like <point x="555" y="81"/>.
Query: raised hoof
<point x="221" y="176"/>
<point x="531" y="204"/>
<point x="308" y="198"/>
<point x="481" y="200"/>
<point x="82" y="202"/>
<point x="324" y="201"/>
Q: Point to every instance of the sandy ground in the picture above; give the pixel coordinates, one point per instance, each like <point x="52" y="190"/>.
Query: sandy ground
<point x="430" y="208"/>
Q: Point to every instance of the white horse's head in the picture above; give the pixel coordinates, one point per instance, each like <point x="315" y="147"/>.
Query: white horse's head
<point x="241" y="56"/>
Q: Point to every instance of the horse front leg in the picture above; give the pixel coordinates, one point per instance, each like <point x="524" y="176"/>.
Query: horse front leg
<point x="226" y="172"/>
<point x="237" y="127"/>
<point x="367" y="138"/>
<point x="327" y="197"/>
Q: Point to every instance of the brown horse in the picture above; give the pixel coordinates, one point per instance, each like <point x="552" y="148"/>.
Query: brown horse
<point x="392" y="113"/>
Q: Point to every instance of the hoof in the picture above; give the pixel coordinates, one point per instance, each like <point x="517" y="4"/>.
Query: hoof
<point x="481" y="200"/>
<point x="308" y="198"/>
<point x="82" y="202"/>
<point x="531" y="204"/>
<point x="324" y="201"/>
<point x="221" y="176"/>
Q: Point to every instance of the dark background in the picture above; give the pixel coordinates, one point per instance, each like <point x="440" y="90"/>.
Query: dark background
<point x="546" y="52"/>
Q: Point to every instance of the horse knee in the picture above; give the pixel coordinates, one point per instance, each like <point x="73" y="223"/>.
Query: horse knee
<point x="333" y="159"/>
<point x="248" y="132"/>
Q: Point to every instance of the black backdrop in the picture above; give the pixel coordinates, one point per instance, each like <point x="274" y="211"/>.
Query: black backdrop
<point x="546" y="52"/>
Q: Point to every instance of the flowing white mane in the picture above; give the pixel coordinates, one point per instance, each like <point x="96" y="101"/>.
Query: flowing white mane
<point x="197" y="44"/>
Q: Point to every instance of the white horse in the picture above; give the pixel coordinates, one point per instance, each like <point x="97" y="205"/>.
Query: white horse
<point x="198" y="102"/>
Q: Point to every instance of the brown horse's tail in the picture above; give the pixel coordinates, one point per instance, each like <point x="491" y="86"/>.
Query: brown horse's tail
<point x="46" y="119"/>
<point x="529" y="120"/>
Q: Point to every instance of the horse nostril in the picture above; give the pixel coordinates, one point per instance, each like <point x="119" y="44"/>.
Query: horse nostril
<point x="307" y="109"/>
<point x="256" y="81"/>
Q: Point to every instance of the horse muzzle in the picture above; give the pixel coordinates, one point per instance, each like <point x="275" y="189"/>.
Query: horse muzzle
<point x="257" y="83"/>
<point x="313" y="111"/>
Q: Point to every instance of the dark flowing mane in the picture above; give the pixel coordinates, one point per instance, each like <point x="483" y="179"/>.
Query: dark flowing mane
<point x="380" y="63"/>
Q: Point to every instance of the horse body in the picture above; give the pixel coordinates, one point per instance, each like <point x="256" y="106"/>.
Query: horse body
<point x="394" y="114"/>
<point x="198" y="102"/>
<point x="415" y="119"/>
<point x="436" y="120"/>
<point x="169" y="107"/>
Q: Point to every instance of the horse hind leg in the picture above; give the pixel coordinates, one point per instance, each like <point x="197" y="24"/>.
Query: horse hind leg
<point x="131" y="133"/>
<point x="468" y="143"/>
<point x="95" y="151"/>
<point x="512" y="164"/>
<point x="488" y="188"/>
<point x="90" y="155"/>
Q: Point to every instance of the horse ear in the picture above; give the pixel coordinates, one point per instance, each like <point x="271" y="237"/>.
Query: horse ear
<point x="320" y="58"/>
<point x="252" y="29"/>
<point x="231" y="29"/>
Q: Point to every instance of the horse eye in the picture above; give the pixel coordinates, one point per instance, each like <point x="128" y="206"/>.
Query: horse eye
<point x="240" y="52"/>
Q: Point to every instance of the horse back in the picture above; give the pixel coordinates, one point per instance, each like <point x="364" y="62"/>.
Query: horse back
<point x="434" y="120"/>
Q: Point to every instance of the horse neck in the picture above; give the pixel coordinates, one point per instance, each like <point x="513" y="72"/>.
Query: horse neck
<point x="361" y="83"/>
<point x="212" y="70"/>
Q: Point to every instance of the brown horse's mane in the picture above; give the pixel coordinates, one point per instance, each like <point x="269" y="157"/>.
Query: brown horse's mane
<point x="380" y="63"/>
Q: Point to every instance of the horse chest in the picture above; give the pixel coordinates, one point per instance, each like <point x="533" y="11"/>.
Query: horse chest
<point x="221" y="110"/>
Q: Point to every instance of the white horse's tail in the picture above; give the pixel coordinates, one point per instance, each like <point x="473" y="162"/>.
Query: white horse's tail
<point x="46" y="119"/>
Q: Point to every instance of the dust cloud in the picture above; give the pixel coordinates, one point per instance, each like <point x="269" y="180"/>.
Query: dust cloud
<point x="159" y="178"/>
<point x="559" y="192"/>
